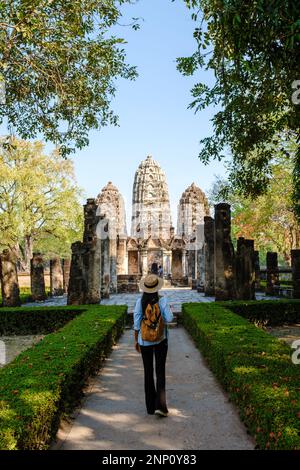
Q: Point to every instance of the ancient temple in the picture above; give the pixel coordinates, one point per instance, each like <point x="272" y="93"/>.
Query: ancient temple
<point x="153" y="242"/>
<point x="192" y="209"/>
<point x="151" y="214"/>
<point x="111" y="205"/>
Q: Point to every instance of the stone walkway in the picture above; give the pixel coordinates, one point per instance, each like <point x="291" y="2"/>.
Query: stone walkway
<point x="113" y="414"/>
<point x="176" y="298"/>
<point x="287" y="332"/>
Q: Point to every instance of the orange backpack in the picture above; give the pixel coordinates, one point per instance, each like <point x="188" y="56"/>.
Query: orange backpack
<point x="152" y="326"/>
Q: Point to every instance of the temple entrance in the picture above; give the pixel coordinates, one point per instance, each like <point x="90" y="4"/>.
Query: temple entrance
<point x="177" y="272"/>
<point x="154" y="258"/>
<point x="133" y="262"/>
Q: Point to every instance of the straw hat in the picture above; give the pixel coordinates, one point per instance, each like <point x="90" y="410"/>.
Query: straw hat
<point x="151" y="283"/>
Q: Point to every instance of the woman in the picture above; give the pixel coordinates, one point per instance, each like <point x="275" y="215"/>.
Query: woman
<point x="155" y="396"/>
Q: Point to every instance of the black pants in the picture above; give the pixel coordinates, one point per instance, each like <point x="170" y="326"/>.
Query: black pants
<point x="155" y="397"/>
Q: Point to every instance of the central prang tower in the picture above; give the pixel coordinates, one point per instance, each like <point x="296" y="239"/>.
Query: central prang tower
<point x="151" y="214"/>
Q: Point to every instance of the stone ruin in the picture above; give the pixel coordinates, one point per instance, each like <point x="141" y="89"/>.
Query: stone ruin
<point x="9" y="279"/>
<point x="200" y="254"/>
<point x="152" y="242"/>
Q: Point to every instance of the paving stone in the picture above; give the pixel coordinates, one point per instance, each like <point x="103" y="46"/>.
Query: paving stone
<point x="113" y="415"/>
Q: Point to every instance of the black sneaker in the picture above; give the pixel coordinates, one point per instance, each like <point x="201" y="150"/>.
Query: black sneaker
<point x="161" y="413"/>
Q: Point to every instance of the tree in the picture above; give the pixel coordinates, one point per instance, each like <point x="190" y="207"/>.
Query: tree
<point x="253" y="48"/>
<point x="40" y="201"/>
<point x="270" y="219"/>
<point x="58" y="62"/>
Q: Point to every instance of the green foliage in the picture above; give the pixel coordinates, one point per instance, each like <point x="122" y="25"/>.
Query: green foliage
<point x="40" y="201"/>
<point x="28" y="321"/>
<point x="253" y="48"/>
<point x="267" y="312"/>
<point x="270" y="219"/>
<point x="46" y="381"/>
<point x="59" y="62"/>
<point x="254" y="367"/>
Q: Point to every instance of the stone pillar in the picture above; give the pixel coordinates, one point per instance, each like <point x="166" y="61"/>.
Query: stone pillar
<point x="77" y="286"/>
<point x="272" y="273"/>
<point x="200" y="269"/>
<point x="224" y="254"/>
<point x="122" y="258"/>
<point x="38" y="291"/>
<point x="209" y="256"/>
<point x="200" y="259"/>
<point x="105" y="261"/>
<point x="94" y="272"/>
<point x="84" y="283"/>
<point x="144" y="262"/>
<point x="184" y="270"/>
<point x="257" y="270"/>
<point x="56" y="277"/>
<point x="167" y="262"/>
<point x="295" y="255"/>
<point x="245" y="270"/>
<point x="92" y="259"/>
<point x="113" y="262"/>
<point x="9" y="279"/>
<point x="191" y="259"/>
<point x="66" y="265"/>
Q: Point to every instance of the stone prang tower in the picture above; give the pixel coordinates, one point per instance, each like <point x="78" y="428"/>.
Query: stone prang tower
<point x="151" y="214"/>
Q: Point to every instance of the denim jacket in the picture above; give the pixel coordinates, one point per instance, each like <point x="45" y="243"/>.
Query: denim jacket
<point x="166" y="313"/>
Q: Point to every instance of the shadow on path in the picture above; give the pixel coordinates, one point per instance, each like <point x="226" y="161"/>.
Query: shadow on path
<point x="113" y="414"/>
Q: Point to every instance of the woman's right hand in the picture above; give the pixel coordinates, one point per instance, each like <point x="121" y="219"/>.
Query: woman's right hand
<point x="137" y="347"/>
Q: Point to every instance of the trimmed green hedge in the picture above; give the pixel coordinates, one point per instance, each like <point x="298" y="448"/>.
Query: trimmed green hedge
<point x="267" y="312"/>
<point x="31" y="321"/>
<point x="254" y="368"/>
<point x="46" y="381"/>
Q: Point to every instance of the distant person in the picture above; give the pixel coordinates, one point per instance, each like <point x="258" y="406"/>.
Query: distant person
<point x="160" y="271"/>
<point x="151" y="314"/>
<point x="154" y="268"/>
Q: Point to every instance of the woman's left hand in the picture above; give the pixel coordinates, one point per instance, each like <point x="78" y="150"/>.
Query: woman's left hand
<point x="137" y="347"/>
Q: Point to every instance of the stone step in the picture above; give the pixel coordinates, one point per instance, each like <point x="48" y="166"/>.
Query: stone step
<point x="167" y="283"/>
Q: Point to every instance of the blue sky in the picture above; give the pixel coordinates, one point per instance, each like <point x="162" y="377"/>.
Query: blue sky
<point x="152" y="110"/>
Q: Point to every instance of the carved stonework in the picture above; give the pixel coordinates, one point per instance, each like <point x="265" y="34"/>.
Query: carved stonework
<point x="153" y="245"/>
<point x="245" y="269"/>
<point x="38" y="290"/>
<point x="111" y="206"/>
<point x="66" y="265"/>
<point x="56" y="277"/>
<point x="193" y="207"/>
<point x="224" y="254"/>
<point x="209" y="255"/>
<point x="151" y="214"/>
<point x="85" y="281"/>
